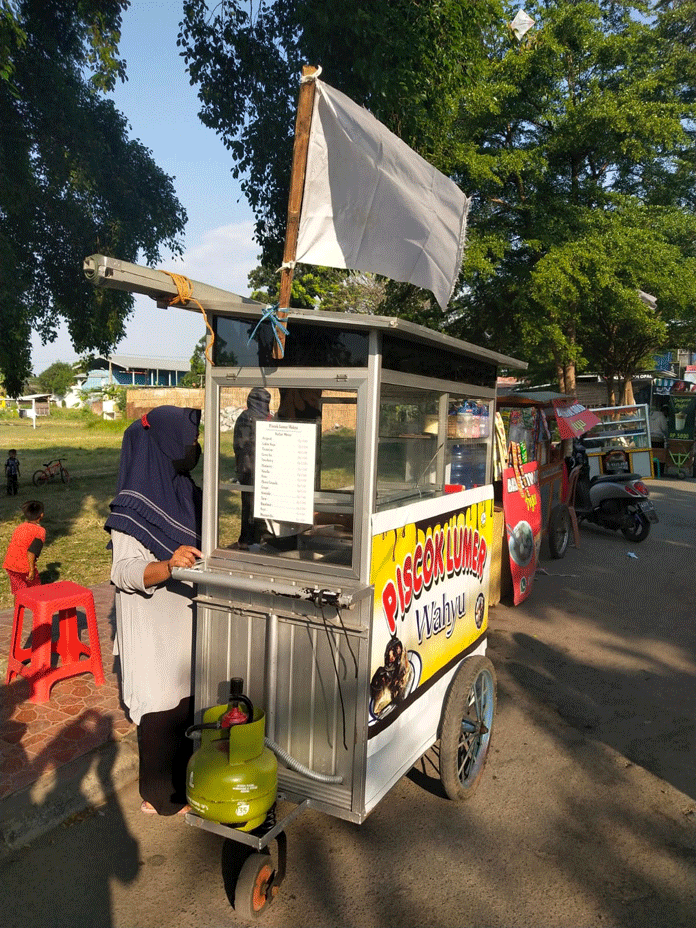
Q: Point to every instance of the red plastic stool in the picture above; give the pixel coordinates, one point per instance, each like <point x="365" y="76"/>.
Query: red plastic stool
<point x="65" y="598"/>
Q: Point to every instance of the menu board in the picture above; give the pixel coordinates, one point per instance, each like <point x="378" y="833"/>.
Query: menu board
<point x="284" y="471"/>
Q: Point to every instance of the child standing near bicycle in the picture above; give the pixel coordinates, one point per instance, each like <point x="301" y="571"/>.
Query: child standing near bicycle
<point x="12" y="472"/>
<point x="25" y="547"/>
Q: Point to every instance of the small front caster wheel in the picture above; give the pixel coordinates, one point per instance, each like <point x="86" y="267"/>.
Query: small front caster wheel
<point x="255" y="889"/>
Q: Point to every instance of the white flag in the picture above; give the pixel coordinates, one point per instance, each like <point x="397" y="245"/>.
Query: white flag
<point x="371" y="203"/>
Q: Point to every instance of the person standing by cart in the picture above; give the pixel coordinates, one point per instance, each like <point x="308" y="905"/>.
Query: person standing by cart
<point x="244" y="438"/>
<point x="155" y="525"/>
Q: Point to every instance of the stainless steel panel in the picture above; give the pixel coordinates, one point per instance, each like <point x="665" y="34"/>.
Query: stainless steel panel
<point x="321" y="687"/>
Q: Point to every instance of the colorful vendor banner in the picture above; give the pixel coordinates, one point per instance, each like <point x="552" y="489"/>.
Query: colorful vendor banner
<point x="522" y="508"/>
<point x="430" y="570"/>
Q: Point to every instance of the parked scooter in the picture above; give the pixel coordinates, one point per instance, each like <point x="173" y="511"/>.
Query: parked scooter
<point x="614" y="501"/>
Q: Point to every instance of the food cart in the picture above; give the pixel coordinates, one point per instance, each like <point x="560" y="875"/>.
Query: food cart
<point x="539" y="422"/>
<point x="620" y="442"/>
<point x="358" y="617"/>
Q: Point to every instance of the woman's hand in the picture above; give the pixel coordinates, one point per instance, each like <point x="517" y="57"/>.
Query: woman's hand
<point x="158" y="572"/>
<point x="185" y="556"/>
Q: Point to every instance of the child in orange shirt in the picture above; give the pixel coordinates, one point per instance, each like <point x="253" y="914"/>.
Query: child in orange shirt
<point x="25" y="547"/>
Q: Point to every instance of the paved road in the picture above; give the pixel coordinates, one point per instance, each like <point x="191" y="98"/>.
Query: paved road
<point x="586" y="816"/>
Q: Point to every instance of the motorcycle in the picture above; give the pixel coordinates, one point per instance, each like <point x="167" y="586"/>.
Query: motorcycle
<point x="614" y="501"/>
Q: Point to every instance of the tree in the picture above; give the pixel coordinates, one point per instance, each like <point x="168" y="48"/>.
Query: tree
<point x="196" y="376"/>
<point x="57" y="379"/>
<point x="579" y="147"/>
<point x="577" y="137"/>
<point x="71" y="181"/>
<point x="406" y="60"/>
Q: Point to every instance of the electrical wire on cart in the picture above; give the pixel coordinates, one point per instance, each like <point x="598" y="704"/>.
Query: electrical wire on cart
<point x="333" y="658"/>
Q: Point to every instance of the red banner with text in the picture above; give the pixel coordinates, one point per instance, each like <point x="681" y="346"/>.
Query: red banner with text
<point x="522" y="508"/>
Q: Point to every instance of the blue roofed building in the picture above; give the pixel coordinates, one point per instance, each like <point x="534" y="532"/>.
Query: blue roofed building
<point x="131" y="371"/>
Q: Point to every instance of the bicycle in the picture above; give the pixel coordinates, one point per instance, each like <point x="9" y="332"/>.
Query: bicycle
<point x="50" y="470"/>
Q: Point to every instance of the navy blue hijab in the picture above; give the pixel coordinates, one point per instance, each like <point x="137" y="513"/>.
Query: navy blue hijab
<point x="156" y="500"/>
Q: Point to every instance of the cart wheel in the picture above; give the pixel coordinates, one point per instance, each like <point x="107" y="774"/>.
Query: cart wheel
<point x="467" y="721"/>
<point x="39" y="478"/>
<point x="253" y="892"/>
<point x="559" y="530"/>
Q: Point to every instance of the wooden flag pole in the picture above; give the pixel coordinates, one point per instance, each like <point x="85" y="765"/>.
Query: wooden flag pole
<point x="305" y="105"/>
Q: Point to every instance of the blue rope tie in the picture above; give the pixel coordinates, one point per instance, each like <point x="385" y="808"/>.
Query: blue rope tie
<point x="270" y="313"/>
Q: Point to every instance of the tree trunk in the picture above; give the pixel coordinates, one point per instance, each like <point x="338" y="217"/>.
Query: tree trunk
<point x="627" y="398"/>
<point x="569" y="376"/>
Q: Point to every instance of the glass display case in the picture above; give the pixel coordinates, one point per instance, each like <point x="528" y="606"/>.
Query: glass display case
<point x="621" y="443"/>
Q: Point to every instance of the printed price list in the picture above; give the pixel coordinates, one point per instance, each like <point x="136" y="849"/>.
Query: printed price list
<point x="284" y="477"/>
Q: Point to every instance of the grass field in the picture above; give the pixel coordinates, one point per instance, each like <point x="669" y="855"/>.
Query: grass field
<point x="75" y="512"/>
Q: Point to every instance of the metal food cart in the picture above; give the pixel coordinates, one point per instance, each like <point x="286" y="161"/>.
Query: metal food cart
<point x="357" y="618"/>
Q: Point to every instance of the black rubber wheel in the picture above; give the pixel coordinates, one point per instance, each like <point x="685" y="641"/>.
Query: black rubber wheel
<point x="39" y="478"/>
<point x="251" y="895"/>
<point x="560" y="528"/>
<point x="64" y="475"/>
<point x="467" y="723"/>
<point x="636" y="528"/>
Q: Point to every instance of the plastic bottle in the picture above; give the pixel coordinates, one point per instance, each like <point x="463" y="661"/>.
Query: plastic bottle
<point x="465" y="421"/>
<point x="485" y="422"/>
<point x="476" y="421"/>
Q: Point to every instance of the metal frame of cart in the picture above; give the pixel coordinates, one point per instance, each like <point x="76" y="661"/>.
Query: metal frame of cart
<point x="388" y="554"/>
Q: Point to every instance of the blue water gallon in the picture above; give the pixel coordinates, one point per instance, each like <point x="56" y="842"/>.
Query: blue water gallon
<point x="460" y="465"/>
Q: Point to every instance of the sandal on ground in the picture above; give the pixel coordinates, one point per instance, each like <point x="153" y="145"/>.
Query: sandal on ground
<point x="149" y="809"/>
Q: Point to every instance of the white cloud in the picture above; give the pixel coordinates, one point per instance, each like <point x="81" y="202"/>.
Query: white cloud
<point x="223" y="259"/>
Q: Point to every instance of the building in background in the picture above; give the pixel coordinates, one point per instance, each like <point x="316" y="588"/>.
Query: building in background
<point x="131" y="371"/>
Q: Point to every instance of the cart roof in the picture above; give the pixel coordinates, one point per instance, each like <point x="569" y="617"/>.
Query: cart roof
<point x="109" y="272"/>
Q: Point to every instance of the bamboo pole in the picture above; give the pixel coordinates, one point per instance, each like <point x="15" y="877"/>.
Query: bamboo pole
<point x="303" y="122"/>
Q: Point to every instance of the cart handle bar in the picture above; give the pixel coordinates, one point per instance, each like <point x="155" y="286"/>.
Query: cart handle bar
<point x="318" y="595"/>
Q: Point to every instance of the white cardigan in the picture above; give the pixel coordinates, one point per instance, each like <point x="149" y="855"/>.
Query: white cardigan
<point x="154" y="632"/>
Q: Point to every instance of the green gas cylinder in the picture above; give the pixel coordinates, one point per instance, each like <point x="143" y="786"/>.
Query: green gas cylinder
<point x="232" y="778"/>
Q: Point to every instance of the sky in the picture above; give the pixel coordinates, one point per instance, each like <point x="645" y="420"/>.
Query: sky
<point x="162" y="109"/>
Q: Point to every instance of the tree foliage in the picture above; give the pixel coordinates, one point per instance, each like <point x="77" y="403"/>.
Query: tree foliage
<point x="71" y="181"/>
<point x="196" y="375"/>
<point x="576" y="143"/>
<point x="579" y="149"/>
<point x="406" y="60"/>
<point x="57" y="378"/>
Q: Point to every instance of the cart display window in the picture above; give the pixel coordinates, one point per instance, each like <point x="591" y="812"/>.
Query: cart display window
<point x="286" y="479"/>
<point x="408" y="446"/>
<point x="429" y="439"/>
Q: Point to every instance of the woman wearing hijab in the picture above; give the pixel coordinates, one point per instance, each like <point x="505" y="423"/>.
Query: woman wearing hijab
<point x="155" y="526"/>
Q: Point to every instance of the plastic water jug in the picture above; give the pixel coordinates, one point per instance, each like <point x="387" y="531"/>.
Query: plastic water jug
<point x="460" y="470"/>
